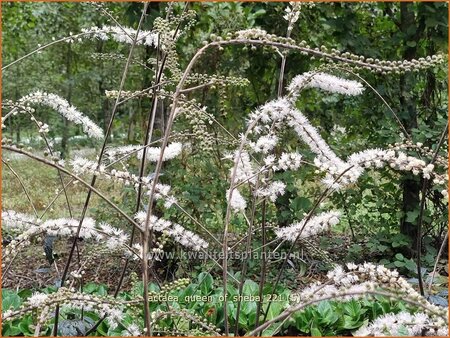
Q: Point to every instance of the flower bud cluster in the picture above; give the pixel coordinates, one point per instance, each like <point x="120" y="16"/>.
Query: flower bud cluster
<point x="217" y="80"/>
<point x="126" y="94"/>
<point x="199" y="120"/>
<point x="357" y="62"/>
<point x="204" y="327"/>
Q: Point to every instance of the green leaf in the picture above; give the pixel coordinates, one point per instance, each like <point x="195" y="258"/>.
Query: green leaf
<point x="248" y="307"/>
<point x="350" y="323"/>
<point x="399" y="257"/>
<point x="399" y="264"/>
<point x="12" y="331"/>
<point x="10" y="300"/>
<point x="206" y="282"/>
<point x="328" y="316"/>
<point x="353" y="308"/>
<point x="411" y="216"/>
<point x="250" y="288"/>
<point x="274" y="310"/>
<point x="315" y="332"/>
<point x="410" y="265"/>
<point x="243" y="320"/>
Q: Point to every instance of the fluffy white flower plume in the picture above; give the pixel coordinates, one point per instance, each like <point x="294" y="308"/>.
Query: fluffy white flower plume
<point x="315" y="225"/>
<point x="122" y="34"/>
<point x="289" y="161"/>
<point x="327" y="82"/>
<point x="292" y="12"/>
<point x="17" y="221"/>
<point x="134" y="330"/>
<point x="245" y="171"/>
<point x="237" y="202"/>
<point x="176" y="231"/>
<point x="343" y="173"/>
<point x="112" y="238"/>
<point x="275" y="189"/>
<point x="115" y="153"/>
<point x="37" y="299"/>
<point x="403" y="324"/>
<point x="172" y="150"/>
<point x="65" y="109"/>
<point x="264" y="144"/>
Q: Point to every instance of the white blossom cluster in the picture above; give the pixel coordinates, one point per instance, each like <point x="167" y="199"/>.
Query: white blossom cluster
<point x="134" y="330"/>
<point x="272" y="191"/>
<point x="264" y="144"/>
<point x="280" y="112"/>
<point x="292" y="12"/>
<point x="162" y="192"/>
<point x="152" y="154"/>
<point x="237" y="201"/>
<point x="288" y="161"/>
<point x="327" y="82"/>
<point x="404" y="324"/>
<point x="112" y="238"/>
<point x="352" y="169"/>
<point x="114" y="153"/>
<point x="271" y="113"/>
<point x="122" y="35"/>
<point x="16" y="221"/>
<point x="381" y="277"/>
<point x="82" y="165"/>
<point x="245" y="170"/>
<point x="171" y="151"/>
<point x="177" y="232"/>
<point x="277" y="114"/>
<point x="306" y="228"/>
<point x="65" y="109"/>
<point x="311" y="137"/>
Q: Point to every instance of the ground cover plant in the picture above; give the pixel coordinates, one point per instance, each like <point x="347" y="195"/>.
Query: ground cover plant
<point x="207" y="169"/>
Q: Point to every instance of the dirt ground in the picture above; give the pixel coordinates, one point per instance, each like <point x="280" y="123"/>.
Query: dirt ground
<point x="31" y="270"/>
